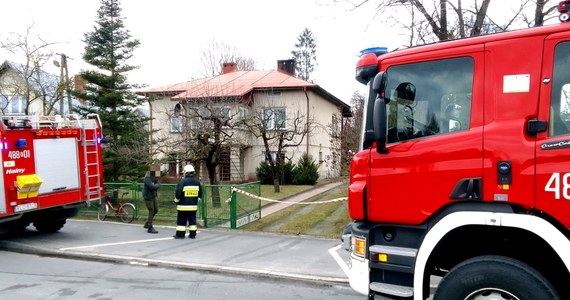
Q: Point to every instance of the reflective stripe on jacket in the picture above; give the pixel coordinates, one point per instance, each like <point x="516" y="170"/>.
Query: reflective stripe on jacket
<point x="188" y="191"/>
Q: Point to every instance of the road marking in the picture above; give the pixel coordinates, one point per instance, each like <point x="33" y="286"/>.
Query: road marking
<point x="341" y="263"/>
<point x="115" y="244"/>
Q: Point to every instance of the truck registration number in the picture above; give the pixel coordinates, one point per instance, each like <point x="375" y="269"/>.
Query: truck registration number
<point x="19" y="154"/>
<point x="25" y="206"/>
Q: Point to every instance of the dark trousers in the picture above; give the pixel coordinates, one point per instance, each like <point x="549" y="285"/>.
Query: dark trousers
<point x="184" y="218"/>
<point x="152" y="206"/>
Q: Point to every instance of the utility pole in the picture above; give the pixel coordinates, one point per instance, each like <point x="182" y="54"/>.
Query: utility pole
<point x="61" y="83"/>
<point x="64" y="82"/>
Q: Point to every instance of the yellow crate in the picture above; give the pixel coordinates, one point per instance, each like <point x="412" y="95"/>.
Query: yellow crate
<point x="28" y="185"/>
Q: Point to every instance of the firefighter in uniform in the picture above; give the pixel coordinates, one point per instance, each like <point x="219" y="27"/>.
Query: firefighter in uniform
<point x="188" y="191"/>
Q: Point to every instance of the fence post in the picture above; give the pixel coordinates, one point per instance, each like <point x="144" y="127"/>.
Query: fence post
<point x="204" y="206"/>
<point x="233" y="208"/>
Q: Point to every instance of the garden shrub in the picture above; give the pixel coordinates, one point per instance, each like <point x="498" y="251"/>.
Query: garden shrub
<point x="306" y="171"/>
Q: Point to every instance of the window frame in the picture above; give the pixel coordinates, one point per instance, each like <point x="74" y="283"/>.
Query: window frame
<point x="269" y="115"/>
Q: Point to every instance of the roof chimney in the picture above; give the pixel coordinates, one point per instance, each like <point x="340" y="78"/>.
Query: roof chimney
<point x="229" y="68"/>
<point x="80" y="84"/>
<point x="287" y="66"/>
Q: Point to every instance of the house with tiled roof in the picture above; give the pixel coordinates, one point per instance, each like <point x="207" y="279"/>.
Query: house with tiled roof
<point x="26" y="90"/>
<point x="276" y="94"/>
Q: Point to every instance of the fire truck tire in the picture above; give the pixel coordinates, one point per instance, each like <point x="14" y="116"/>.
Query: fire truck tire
<point x="494" y="277"/>
<point x="49" y="226"/>
<point x="127" y="213"/>
<point x="102" y="212"/>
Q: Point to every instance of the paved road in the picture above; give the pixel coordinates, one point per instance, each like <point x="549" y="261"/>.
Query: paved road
<point x="260" y="254"/>
<point x="34" y="277"/>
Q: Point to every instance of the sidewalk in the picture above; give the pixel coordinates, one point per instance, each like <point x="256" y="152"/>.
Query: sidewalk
<point x="258" y="254"/>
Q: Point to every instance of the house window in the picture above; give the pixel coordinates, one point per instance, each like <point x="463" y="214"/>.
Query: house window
<point x="274" y="118"/>
<point x="221" y="112"/>
<point x="13" y="104"/>
<point x="273" y="155"/>
<point x="176" y="119"/>
<point x="243" y="113"/>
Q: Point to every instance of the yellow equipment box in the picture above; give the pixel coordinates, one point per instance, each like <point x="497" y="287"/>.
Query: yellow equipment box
<point x="28" y="185"/>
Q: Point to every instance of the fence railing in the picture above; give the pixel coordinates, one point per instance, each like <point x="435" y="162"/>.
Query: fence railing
<point x="218" y="208"/>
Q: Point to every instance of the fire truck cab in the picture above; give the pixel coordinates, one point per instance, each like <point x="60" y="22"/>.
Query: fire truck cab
<point x="463" y="178"/>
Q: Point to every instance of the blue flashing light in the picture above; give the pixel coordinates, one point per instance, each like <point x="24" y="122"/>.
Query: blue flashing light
<point x="376" y="50"/>
<point x="4" y="145"/>
<point x="21" y="143"/>
<point x="99" y="140"/>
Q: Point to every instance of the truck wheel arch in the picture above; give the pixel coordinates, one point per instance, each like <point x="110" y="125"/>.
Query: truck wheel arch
<point x="456" y="220"/>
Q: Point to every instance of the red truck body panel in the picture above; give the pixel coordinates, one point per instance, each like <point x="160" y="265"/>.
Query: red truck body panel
<point x="67" y="160"/>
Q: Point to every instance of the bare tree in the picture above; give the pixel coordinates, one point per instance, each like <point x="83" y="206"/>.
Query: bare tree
<point x="544" y="10"/>
<point x="28" y="79"/>
<point x="440" y="20"/>
<point x="206" y="127"/>
<point x="278" y="133"/>
<point x="219" y="53"/>
<point x="345" y="135"/>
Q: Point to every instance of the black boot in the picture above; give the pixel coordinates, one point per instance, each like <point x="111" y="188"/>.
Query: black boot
<point x="151" y="230"/>
<point x="146" y="225"/>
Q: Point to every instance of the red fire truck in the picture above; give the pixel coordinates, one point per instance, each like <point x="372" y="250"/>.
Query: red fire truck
<point x="51" y="166"/>
<point x="461" y="189"/>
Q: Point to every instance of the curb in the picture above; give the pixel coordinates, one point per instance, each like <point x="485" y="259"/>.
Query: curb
<point x="21" y="248"/>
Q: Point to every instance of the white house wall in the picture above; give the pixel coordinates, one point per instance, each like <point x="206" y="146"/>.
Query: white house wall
<point x="249" y="159"/>
<point x="319" y="109"/>
<point x="12" y="84"/>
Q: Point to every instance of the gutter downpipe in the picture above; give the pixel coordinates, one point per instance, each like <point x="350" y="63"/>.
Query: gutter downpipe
<point x="150" y="125"/>
<point x="308" y="114"/>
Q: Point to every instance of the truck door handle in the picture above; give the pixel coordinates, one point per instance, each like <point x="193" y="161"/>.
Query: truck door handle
<point x="467" y="189"/>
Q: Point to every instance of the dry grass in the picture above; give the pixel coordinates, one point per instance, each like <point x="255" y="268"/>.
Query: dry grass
<point x="323" y="220"/>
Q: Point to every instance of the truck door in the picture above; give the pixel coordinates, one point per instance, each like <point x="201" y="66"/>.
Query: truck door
<point x="553" y="145"/>
<point x="434" y="140"/>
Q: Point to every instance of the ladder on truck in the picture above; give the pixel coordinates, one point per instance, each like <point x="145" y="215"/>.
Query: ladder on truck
<point x="91" y="157"/>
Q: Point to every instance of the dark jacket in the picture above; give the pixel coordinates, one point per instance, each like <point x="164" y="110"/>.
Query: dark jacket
<point x="150" y="187"/>
<point x="188" y="190"/>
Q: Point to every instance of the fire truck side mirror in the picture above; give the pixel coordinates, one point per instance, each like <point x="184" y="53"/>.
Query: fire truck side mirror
<point x="379" y="83"/>
<point x="380" y="125"/>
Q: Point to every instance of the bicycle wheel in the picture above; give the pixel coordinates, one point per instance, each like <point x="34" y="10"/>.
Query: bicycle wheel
<point x="127" y="212"/>
<point x="103" y="212"/>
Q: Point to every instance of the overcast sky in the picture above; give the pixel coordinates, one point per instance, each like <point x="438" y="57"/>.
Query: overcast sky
<point x="174" y="33"/>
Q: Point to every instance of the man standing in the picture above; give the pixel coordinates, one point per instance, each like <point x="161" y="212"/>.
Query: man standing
<point x="188" y="192"/>
<point x="150" y="188"/>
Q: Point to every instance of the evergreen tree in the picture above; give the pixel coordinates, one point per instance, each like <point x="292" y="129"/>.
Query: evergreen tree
<point x="305" y="55"/>
<point x="108" y="94"/>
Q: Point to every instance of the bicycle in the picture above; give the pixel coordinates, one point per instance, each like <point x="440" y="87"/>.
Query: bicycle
<point x="125" y="211"/>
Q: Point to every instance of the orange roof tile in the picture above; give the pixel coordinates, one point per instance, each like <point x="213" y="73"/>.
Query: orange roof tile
<point x="238" y="84"/>
<point x="233" y="84"/>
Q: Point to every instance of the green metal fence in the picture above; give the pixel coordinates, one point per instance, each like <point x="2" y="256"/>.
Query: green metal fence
<point x="218" y="208"/>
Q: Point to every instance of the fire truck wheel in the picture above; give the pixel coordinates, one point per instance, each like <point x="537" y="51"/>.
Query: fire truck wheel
<point x="494" y="277"/>
<point x="49" y="226"/>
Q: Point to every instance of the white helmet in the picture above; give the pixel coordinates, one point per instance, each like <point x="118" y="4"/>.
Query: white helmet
<point x="188" y="169"/>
